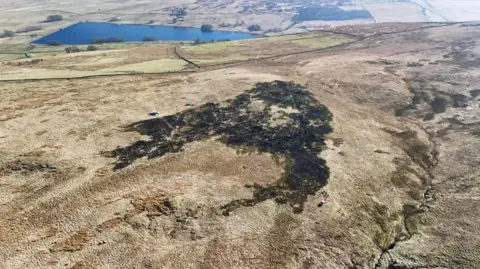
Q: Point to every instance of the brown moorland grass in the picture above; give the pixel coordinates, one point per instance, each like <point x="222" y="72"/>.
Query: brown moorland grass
<point x="402" y="186"/>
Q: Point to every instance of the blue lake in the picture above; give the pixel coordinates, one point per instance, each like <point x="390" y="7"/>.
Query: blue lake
<point x="84" y="32"/>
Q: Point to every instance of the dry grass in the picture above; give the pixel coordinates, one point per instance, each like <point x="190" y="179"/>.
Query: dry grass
<point x="9" y="57"/>
<point x="75" y="242"/>
<point x="163" y="65"/>
<point x="164" y="212"/>
<point x="320" y="43"/>
<point x="46" y="74"/>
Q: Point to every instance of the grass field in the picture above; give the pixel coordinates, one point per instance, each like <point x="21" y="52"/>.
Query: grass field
<point x="227" y="59"/>
<point x="215" y="47"/>
<point x="54" y="62"/>
<point x="262" y="47"/>
<point x="13" y="51"/>
<point x="120" y="58"/>
<point x="162" y="65"/>
<point x="18" y="50"/>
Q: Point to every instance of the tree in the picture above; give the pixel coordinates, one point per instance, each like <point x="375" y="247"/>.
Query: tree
<point x="54" y="43"/>
<point x="111" y="39"/>
<point x="225" y="25"/>
<point x="72" y="49"/>
<point x="274" y="30"/>
<point x="30" y="28"/>
<point x="149" y="39"/>
<point x="52" y="18"/>
<point x="92" y="48"/>
<point x="206" y="28"/>
<point x="197" y="41"/>
<point x="181" y="13"/>
<point x="254" y="28"/>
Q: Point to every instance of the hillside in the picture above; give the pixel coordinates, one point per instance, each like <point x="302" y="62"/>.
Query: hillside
<point x="385" y="118"/>
<point x="273" y="17"/>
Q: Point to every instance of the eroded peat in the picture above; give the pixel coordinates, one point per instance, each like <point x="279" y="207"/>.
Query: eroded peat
<point x="280" y="118"/>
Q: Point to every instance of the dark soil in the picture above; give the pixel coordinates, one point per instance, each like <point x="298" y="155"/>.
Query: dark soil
<point x="475" y="93"/>
<point x="437" y="102"/>
<point x="25" y="167"/>
<point x="384" y="62"/>
<point x="299" y="140"/>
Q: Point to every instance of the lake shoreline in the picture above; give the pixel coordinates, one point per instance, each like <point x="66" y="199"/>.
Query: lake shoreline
<point x="82" y="33"/>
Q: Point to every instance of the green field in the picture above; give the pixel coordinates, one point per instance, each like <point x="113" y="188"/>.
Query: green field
<point x="232" y="51"/>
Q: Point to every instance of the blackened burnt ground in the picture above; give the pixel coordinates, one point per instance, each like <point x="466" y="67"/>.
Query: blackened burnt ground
<point x="281" y="118"/>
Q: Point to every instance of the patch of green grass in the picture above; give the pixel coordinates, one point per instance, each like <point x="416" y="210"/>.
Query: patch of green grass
<point x="111" y="46"/>
<point x="163" y="65"/>
<point x="226" y="59"/>
<point x="311" y="40"/>
<point x="9" y="57"/>
<point x="40" y="51"/>
<point x="214" y="47"/>
<point x="225" y="52"/>
<point x="48" y="49"/>
<point x="237" y="46"/>
<point x="14" y="48"/>
<point x="18" y="49"/>
<point x="285" y="37"/>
